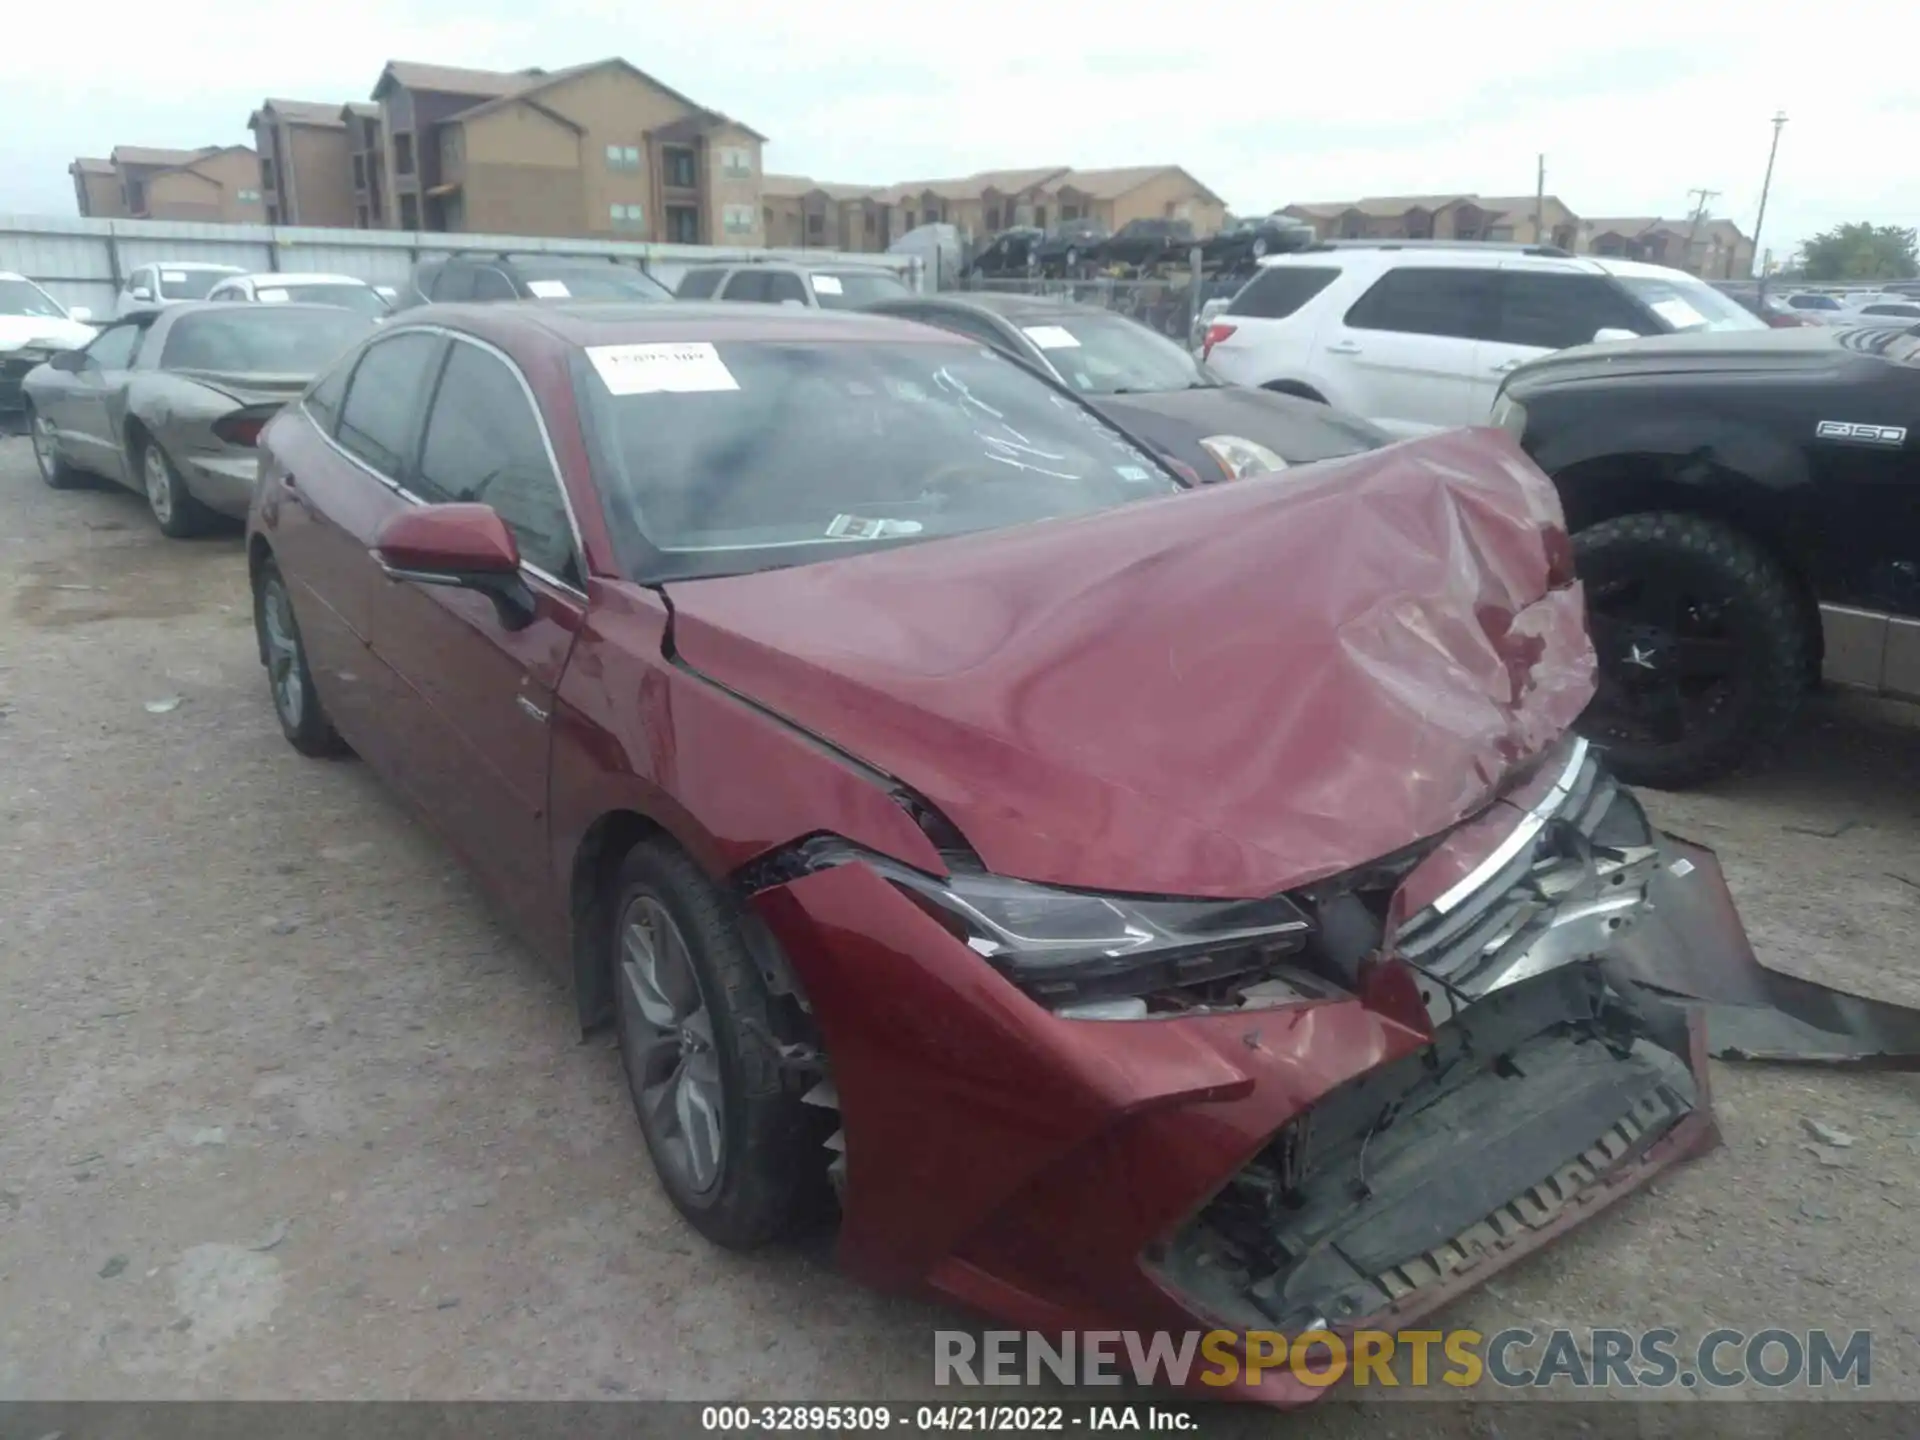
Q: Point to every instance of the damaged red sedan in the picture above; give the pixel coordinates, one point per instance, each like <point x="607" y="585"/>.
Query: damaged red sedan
<point x="1134" y="907"/>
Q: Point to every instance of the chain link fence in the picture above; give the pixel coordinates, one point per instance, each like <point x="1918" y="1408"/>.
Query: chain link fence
<point x="1170" y="302"/>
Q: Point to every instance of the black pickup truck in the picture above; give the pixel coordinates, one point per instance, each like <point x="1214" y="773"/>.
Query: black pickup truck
<point x="1746" y="517"/>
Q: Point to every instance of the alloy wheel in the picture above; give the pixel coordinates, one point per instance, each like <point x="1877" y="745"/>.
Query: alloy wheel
<point x="666" y="1035"/>
<point x="1668" y="660"/>
<point x="159" y="484"/>
<point x="283" y="651"/>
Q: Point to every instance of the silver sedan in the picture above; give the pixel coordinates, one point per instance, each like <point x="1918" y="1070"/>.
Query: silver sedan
<point x="170" y="402"/>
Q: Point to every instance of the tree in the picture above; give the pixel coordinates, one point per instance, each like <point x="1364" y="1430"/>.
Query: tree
<point x="1863" y="251"/>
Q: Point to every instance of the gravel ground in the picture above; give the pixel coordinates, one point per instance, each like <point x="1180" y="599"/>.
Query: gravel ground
<point x="284" y="1114"/>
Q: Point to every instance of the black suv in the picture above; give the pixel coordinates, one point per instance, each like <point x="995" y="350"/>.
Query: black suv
<point x="464" y="279"/>
<point x="1745" y="509"/>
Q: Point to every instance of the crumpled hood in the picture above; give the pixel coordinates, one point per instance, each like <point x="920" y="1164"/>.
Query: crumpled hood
<point x="1298" y="431"/>
<point x="1222" y="693"/>
<point x="18" y="330"/>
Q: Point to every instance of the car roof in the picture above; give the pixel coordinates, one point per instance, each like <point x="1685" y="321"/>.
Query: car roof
<point x="620" y="323"/>
<point x="272" y="278"/>
<point x="805" y="266"/>
<point x="197" y="265"/>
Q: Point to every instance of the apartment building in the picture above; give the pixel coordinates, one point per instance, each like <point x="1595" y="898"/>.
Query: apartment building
<point x="602" y="150"/>
<point x="1443" y="217"/>
<point x="216" y="183"/>
<point x="367" y="163"/>
<point x="96" y="188"/>
<point x="1715" y="249"/>
<point x="797" y="210"/>
<point x="304" y="165"/>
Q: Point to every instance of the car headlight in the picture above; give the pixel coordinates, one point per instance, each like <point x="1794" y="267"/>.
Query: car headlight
<point x="1078" y="951"/>
<point x="1509" y="415"/>
<point x="1240" y="457"/>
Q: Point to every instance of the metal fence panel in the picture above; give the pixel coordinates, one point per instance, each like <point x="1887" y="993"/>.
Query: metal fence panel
<point x="1163" y="304"/>
<point x="81" y="261"/>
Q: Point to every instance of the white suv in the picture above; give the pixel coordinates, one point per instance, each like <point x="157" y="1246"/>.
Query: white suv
<point x="1415" y="334"/>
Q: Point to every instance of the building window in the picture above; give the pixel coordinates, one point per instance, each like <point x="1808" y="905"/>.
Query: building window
<point x="993" y="217"/>
<point x="1069" y="213"/>
<point x="273" y="214"/>
<point x="680" y="173"/>
<point x="359" y="172"/>
<point x="266" y="173"/>
<point x="409" y="212"/>
<point x="627" y="217"/>
<point x="736" y="162"/>
<point x="370" y="132"/>
<point x="1040" y="216"/>
<point x="910" y="224"/>
<point x="737" y="219"/>
<point x="623" y="157"/>
<point x="869" y="226"/>
<point x="136" y="196"/>
<point x="403" y="154"/>
<point x="683" y="225"/>
<point x="816" y="225"/>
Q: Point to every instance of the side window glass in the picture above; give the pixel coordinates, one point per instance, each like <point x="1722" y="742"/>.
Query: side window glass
<point x="454" y="282"/>
<point x="113" y="349"/>
<point x="1553" y="311"/>
<point x="1411" y="300"/>
<point x="699" y="284"/>
<point x="323" y="400"/>
<point x="1279" y="290"/>
<point x="746" y="285"/>
<point x="484" y="445"/>
<point x="785" y="285"/>
<point x="490" y="284"/>
<point x="381" y="413"/>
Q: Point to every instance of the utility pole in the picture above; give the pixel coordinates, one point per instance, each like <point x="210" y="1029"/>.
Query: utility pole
<point x="1701" y="198"/>
<point x="1540" y="202"/>
<point x="1779" y="119"/>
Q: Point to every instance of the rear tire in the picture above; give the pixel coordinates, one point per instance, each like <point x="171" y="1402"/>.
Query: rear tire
<point x="295" y="702"/>
<point x="1702" y="639"/>
<point x="178" y="514"/>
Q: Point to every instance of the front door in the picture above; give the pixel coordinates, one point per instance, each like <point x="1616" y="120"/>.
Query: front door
<point x="481" y="694"/>
<point x="95" y="402"/>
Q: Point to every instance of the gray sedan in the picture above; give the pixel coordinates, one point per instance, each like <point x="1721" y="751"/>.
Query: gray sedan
<point x="170" y="402"/>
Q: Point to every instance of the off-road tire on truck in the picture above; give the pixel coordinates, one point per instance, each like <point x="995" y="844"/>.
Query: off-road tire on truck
<point x="1703" y="643"/>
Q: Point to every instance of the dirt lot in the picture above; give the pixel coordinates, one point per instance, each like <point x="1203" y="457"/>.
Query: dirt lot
<point x="284" y="1114"/>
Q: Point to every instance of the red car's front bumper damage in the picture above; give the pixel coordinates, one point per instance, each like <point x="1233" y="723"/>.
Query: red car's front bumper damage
<point x="1502" y="1068"/>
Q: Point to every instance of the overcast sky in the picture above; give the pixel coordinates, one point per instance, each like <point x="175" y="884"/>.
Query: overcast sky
<point x="1634" y="103"/>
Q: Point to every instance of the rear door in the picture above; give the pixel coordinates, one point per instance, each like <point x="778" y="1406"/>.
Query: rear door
<point x="1408" y="350"/>
<point x="480" y="696"/>
<point x="332" y="471"/>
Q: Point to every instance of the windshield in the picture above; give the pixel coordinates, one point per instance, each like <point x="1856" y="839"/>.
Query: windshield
<point x="723" y="458"/>
<point x="190" y="284"/>
<point x="244" y="339"/>
<point x="590" y="282"/>
<point x="1689" y="306"/>
<point x="853" y="289"/>
<point x="23" y="297"/>
<point x="1813" y="302"/>
<point x="1110" y="355"/>
<point x="363" y="299"/>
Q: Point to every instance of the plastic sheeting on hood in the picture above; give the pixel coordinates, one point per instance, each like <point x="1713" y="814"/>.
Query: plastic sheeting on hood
<point x="1221" y="693"/>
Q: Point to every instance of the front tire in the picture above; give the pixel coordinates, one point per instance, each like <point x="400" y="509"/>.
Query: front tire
<point x="57" y="473"/>
<point x="295" y="701"/>
<point x="736" y="1150"/>
<point x="1702" y="640"/>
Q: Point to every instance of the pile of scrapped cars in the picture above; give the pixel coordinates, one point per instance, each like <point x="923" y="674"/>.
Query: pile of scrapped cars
<point x="1080" y="250"/>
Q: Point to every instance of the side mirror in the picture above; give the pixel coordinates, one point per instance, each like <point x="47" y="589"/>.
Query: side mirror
<point x="462" y="547"/>
<point x="80" y="313"/>
<point x="141" y="292"/>
<point x="1614" y="332"/>
<point x="71" y="361"/>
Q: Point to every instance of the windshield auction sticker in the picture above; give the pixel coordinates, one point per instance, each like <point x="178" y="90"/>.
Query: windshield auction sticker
<point x="677" y="369"/>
